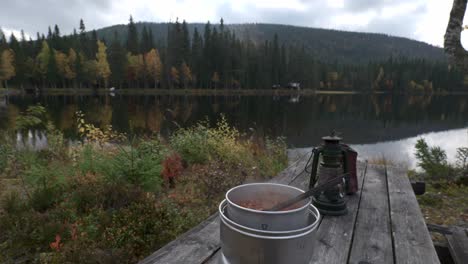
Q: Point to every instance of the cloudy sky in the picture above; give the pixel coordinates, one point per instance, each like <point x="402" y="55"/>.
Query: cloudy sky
<point x="423" y="20"/>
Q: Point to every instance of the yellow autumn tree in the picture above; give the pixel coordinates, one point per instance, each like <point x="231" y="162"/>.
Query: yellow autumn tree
<point x="186" y="74"/>
<point x="174" y="76"/>
<point x="153" y="66"/>
<point x="7" y="68"/>
<point x="70" y="72"/>
<point x="61" y="61"/>
<point x="215" y="79"/>
<point x="102" y="66"/>
<point x="135" y="67"/>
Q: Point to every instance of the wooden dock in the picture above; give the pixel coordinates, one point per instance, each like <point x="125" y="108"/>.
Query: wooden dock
<point x="384" y="225"/>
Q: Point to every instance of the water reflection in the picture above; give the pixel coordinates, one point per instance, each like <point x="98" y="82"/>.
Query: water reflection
<point x="402" y="151"/>
<point x="362" y="119"/>
<point x="32" y="139"/>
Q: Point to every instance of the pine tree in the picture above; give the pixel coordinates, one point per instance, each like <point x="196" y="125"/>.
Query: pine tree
<point x="102" y="66"/>
<point x="151" y="38"/>
<point x="7" y="68"/>
<point x="197" y="54"/>
<point x="49" y="34"/>
<point x="42" y="60"/>
<point x="3" y="42"/>
<point x="82" y="27"/>
<point x="19" y="62"/>
<point x="132" y="38"/>
<point x="52" y="70"/>
<point x="146" y="43"/>
<point x="117" y="61"/>
<point x="92" y="43"/>
<point x="83" y="47"/>
<point x="275" y="61"/>
<point x="215" y="79"/>
<point x="207" y="55"/>
<point x="56" y="31"/>
<point x="185" y="42"/>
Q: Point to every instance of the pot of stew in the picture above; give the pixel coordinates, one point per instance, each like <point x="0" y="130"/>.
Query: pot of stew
<point x="248" y="206"/>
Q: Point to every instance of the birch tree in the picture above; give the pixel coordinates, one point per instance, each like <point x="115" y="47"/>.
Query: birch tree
<point x="102" y="66"/>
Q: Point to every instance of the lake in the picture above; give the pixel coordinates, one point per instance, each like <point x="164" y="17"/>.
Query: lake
<point x="375" y="125"/>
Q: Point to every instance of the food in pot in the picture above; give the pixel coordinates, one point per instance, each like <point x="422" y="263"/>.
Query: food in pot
<point x="264" y="204"/>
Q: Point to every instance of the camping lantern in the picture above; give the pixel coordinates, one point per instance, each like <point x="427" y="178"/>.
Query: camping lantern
<point x="329" y="161"/>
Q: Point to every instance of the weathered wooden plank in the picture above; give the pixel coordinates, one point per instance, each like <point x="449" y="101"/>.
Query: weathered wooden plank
<point x="372" y="240"/>
<point x="333" y="237"/>
<point x="411" y="239"/>
<point x="458" y="245"/>
<point x="201" y="243"/>
<point x="197" y="244"/>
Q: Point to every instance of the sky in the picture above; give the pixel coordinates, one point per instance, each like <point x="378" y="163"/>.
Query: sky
<point x="423" y="20"/>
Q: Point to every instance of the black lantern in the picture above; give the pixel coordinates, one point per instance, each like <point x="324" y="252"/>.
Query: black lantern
<point x="329" y="161"/>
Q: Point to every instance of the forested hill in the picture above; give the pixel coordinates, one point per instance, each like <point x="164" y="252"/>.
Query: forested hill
<point x="248" y="56"/>
<point x="324" y="44"/>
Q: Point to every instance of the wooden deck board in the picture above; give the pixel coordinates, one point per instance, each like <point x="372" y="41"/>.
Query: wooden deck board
<point x="333" y="237"/>
<point x="411" y="239"/>
<point x="199" y="243"/>
<point x="372" y="241"/>
<point x="458" y="245"/>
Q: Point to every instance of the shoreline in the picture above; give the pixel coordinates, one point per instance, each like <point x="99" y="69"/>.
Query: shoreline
<point x="210" y="92"/>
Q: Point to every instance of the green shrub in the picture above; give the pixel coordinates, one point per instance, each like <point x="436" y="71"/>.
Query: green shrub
<point x="275" y="157"/>
<point x="134" y="228"/>
<point x="35" y="117"/>
<point x="430" y="199"/>
<point x="201" y="143"/>
<point x="5" y="154"/>
<point x="43" y="199"/>
<point x="12" y="203"/>
<point x="433" y="160"/>
<point x="137" y="168"/>
<point x="193" y="143"/>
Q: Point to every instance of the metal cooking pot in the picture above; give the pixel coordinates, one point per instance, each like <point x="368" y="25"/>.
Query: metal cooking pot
<point x="244" y="245"/>
<point x="268" y="194"/>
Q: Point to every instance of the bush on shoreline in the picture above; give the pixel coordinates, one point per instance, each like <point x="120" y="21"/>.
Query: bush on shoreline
<point x="445" y="201"/>
<point x="108" y="199"/>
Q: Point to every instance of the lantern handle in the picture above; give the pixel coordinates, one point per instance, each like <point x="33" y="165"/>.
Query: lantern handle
<point x="313" y="173"/>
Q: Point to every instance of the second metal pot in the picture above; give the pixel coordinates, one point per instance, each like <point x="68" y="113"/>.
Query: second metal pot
<point x="244" y="245"/>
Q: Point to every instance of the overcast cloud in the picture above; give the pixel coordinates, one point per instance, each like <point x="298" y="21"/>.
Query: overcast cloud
<point x="423" y="20"/>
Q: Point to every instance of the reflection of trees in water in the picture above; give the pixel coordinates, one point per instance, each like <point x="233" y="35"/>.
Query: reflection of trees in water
<point x="155" y="118"/>
<point x="67" y="117"/>
<point x="12" y="113"/>
<point x="361" y="118"/>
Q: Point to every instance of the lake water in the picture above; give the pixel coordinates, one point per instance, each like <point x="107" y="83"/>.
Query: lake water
<point x="375" y="125"/>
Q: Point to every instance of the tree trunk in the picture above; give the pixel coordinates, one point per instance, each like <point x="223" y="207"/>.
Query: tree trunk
<point x="452" y="44"/>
